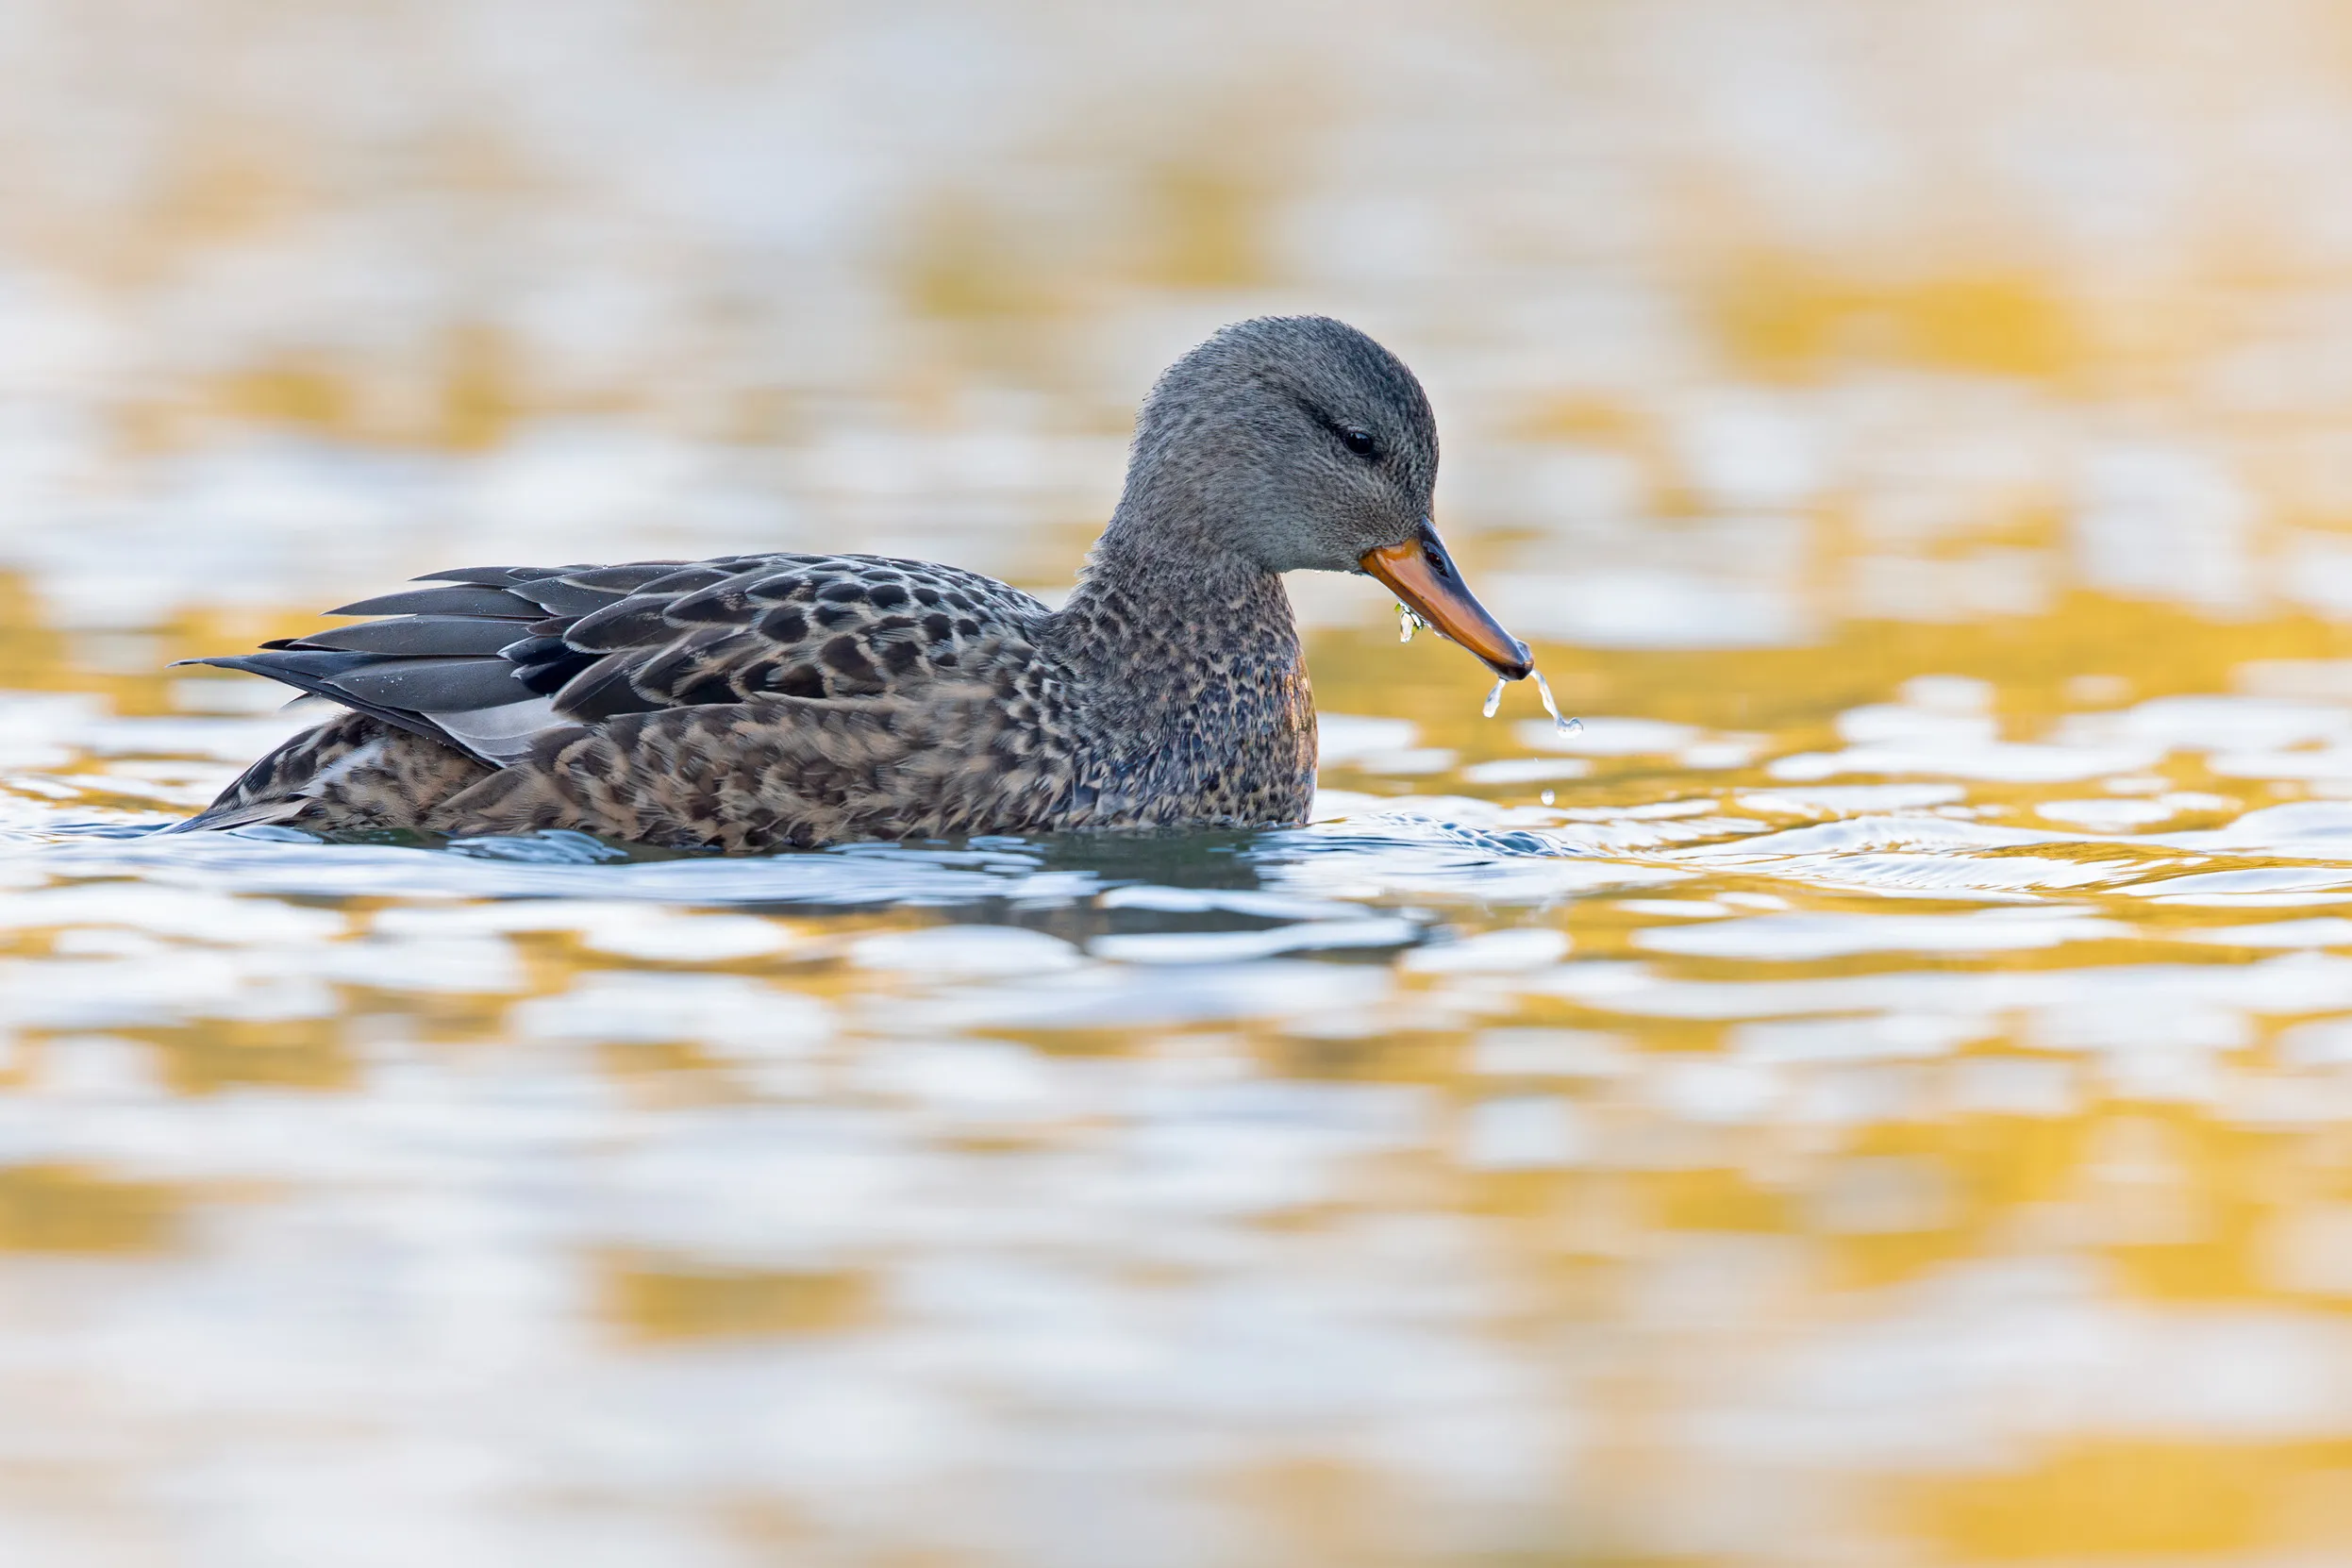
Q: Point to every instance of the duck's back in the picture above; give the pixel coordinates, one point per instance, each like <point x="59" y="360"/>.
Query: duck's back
<point x="744" y="702"/>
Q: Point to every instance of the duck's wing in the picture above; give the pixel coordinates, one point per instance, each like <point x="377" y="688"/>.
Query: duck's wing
<point x="490" y="659"/>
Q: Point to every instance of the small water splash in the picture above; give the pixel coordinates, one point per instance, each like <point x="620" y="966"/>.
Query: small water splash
<point x="1406" y="624"/>
<point x="1565" y="726"/>
<point x="1551" y="706"/>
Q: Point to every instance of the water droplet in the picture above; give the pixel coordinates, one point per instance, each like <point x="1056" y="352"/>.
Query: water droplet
<point x="1406" y="624"/>
<point x="1547" y="797"/>
<point x="1543" y="689"/>
<point x="1494" y="700"/>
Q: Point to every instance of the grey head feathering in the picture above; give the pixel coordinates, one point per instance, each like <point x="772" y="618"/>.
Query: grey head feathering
<point x="1295" y="441"/>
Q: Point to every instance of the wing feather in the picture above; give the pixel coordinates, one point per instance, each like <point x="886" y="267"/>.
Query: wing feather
<point x="435" y="685"/>
<point x="421" y="636"/>
<point x="559" y="597"/>
<point x="455" y="599"/>
<point x="489" y="658"/>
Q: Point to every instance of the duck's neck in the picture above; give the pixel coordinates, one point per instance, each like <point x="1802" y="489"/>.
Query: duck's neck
<point x="1164" y="634"/>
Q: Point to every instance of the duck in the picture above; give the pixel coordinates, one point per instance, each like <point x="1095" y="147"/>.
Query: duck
<point x="757" y="703"/>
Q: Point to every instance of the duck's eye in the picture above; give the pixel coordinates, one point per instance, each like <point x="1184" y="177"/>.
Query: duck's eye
<point x="1360" y="442"/>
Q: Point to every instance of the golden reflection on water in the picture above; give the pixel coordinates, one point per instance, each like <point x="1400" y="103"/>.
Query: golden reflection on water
<point x="63" y="1209"/>
<point x="1877" y="1094"/>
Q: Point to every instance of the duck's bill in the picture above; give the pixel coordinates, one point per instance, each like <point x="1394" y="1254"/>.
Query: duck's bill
<point x="1424" y="578"/>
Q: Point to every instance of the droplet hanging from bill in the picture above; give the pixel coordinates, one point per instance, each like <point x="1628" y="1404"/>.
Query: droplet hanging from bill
<point x="1543" y="689"/>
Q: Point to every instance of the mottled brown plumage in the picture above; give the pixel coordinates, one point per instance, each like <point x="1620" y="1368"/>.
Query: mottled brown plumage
<point x="754" y="702"/>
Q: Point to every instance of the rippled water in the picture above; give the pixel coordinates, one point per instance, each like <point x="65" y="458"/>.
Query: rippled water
<point x="1879" y="1091"/>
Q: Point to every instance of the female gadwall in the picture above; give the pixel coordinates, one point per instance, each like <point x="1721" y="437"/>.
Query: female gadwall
<point x="755" y="702"/>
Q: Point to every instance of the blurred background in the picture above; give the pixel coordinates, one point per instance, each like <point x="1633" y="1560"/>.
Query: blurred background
<point x="1875" y="1096"/>
<point x="1746" y="322"/>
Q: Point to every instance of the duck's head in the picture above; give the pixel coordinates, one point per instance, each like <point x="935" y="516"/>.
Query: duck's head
<point x="1298" y="444"/>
